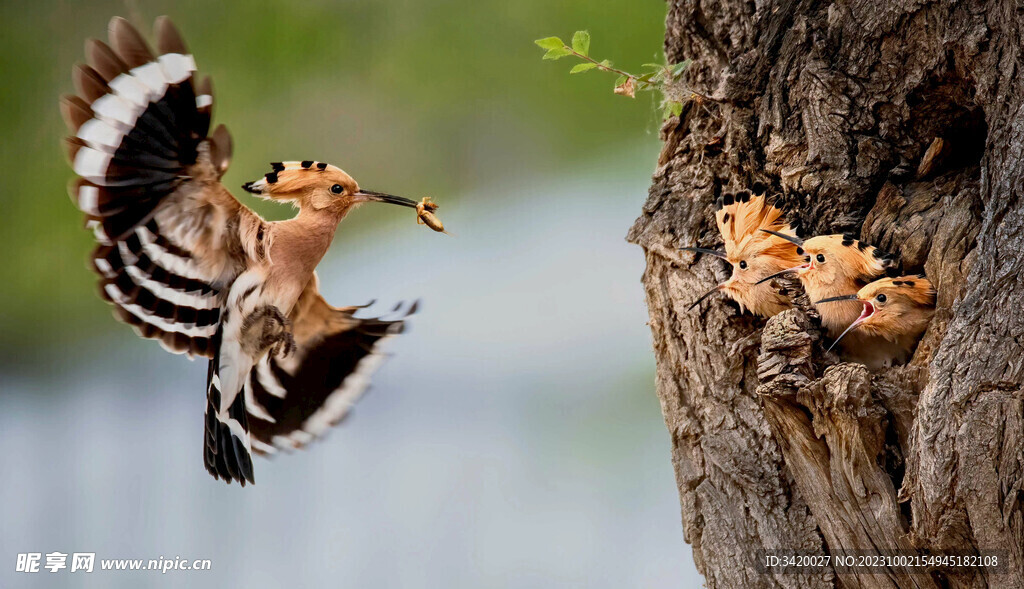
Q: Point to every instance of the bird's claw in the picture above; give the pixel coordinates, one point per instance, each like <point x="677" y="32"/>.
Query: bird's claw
<point x="284" y="346"/>
<point x="282" y="341"/>
<point x="273" y="332"/>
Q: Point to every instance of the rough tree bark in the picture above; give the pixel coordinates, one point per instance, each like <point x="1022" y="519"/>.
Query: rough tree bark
<point x="776" y="444"/>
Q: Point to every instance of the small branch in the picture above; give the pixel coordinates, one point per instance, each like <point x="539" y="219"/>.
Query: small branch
<point x="641" y="84"/>
<point x="663" y="77"/>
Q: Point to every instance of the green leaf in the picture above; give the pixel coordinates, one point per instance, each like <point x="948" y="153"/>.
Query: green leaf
<point x="646" y="77"/>
<point x="557" y="53"/>
<point x="606" y="63"/>
<point x="581" y="42"/>
<point x="681" y="67"/>
<point x="621" y="80"/>
<point x="582" y="67"/>
<point x="550" y="43"/>
<point x="656" y="66"/>
<point x="672" y="109"/>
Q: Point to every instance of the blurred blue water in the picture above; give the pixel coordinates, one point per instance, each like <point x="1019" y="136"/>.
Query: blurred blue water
<point x="514" y="439"/>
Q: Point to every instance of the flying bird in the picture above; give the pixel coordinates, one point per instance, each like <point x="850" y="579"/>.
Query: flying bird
<point x="834" y="265"/>
<point x="742" y="220"/>
<point x="185" y="263"/>
<point x="894" y="313"/>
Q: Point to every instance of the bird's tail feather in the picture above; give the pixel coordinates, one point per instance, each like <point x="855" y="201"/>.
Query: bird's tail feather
<point x="226" y="448"/>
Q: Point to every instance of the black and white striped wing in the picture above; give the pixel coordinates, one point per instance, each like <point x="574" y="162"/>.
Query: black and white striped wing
<point x="149" y="186"/>
<point x="292" y="401"/>
<point x="158" y="289"/>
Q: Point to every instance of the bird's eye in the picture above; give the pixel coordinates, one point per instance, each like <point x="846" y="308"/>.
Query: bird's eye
<point x="880" y="298"/>
<point x="337" y="189"/>
<point x="821" y="258"/>
<point x="743" y="264"/>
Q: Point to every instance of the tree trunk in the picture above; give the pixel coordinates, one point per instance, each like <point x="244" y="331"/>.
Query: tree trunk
<point x="901" y="121"/>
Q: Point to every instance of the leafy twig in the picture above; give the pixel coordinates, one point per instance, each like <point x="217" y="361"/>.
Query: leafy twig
<point x="660" y="76"/>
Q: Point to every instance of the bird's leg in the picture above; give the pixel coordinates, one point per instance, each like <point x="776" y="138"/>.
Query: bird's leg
<point x="267" y="328"/>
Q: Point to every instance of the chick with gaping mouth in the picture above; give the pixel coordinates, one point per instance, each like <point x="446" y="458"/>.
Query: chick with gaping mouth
<point x="894" y="313"/>
<point x="835" y="265"/>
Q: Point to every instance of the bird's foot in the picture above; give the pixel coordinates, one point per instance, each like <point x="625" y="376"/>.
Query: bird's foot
<point x="269" y="330"/>
<point x="284" y="346"/>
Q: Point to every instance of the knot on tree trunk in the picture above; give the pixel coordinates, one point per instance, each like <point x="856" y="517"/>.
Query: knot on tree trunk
<point x="787" y="348"/>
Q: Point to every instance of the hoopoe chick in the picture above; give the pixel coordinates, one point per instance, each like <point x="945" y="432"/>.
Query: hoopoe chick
<point x="185" y="263"/>
<point x="894" y="312"/>
<point x="834" y="265"/>
<point x="741" y="220"/>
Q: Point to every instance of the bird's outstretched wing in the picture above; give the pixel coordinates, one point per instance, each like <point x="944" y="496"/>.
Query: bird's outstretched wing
<point x="171" y="237"/>
<point x="293" y="400"/>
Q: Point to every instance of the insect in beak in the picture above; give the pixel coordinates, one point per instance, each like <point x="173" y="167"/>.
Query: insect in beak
<point x="702" y="250"/>
<point x="704" y="296"/>
<point x="789" y="238"/>
<point x="786" y="271"/>
<point x="371" y="196"/>
<point x="868" y="311"/>
<point x="425" y="215"/>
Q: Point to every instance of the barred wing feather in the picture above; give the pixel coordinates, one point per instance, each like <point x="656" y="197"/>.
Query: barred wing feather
<point x="167" y="230"/>
<point x="294" y="400"/>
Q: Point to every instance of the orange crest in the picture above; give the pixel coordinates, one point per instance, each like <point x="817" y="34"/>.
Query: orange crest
<point x="741" y="219"/>
<point x="843" y="260"/>
<point x="917" y="290"/>
<point x="292" y="180"/>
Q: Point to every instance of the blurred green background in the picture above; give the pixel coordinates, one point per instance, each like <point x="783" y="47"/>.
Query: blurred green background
<point x="420" y="98"/>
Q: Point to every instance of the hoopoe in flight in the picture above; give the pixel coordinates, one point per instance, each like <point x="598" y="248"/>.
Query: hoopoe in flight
<point x="741" y="219"/>
<point x="895" y="311"/>
<point x="185" y="263"/>
<point x="834" y="265"/>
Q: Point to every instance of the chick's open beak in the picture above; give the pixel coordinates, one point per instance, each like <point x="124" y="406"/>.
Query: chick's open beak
<point x="866" y="314"/>
<point x="372" y="196"/>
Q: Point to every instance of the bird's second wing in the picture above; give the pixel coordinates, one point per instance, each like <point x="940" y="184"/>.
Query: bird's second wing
<point x="170" y="237"/>
<point x="293" y="400"/>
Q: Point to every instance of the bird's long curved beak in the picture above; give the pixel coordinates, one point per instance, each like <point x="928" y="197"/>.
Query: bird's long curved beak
<point x="702" y="250"/>
<point x="789" y="238"/>
<point x="786" y="271"/>
<point x="704" y="296"/>
<point x="849" y="297"/>
<point x="372" y="196"/>
<point x="868" y="311"/>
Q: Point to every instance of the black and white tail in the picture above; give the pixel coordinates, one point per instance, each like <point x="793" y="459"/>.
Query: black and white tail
<point x="226" y="450"/>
